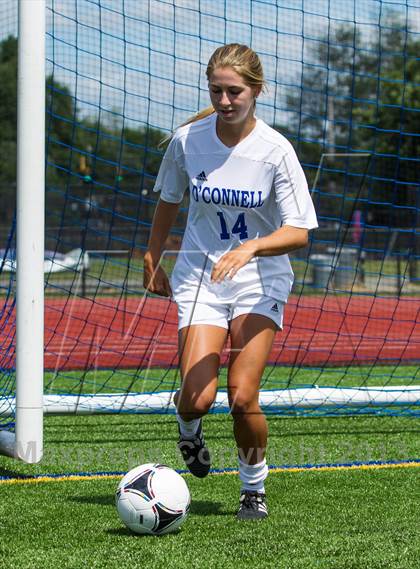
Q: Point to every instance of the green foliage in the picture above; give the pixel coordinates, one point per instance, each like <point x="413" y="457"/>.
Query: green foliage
<point x="8" y="71"/>
<point x="361" y="95"/>
<point x="8" y="118"/>
<point x="90" y="163"/>
<point x="358" y="93"/>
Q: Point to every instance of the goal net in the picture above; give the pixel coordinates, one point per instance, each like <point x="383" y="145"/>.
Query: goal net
<point x="343" y="84"/>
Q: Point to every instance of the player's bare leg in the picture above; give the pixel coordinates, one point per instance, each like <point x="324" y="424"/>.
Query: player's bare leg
<point x="252" y="337"/>
<point x="200" y="347"/>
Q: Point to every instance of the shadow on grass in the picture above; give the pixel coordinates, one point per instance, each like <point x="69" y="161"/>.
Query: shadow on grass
<point x="122" y="531"/>
<point x="104" y="500"/>
<point x="6" y="473"/>
<point x="198" y="507"/>
<point x="207" y="508"/>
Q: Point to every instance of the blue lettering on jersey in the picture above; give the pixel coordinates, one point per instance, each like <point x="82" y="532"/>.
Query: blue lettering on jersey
<point x="228" y="196"/>
<point x="225" y="196"/>
<point x="235" y="197"/>
<point x="206" y="191"/>
<point x="244" y="200"/>
<point x="215" y="195"/>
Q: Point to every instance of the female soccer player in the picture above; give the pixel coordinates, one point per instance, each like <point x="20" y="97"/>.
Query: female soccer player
<point x="249" y="206"/>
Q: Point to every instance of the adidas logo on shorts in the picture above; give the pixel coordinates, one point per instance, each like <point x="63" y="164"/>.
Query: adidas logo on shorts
<point x="275" y="307"/>
<point x="202" y="177"/>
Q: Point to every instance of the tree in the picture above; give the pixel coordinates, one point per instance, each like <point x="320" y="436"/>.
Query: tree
<point x="8" y="119"/>
<point x="60" y="112"/>
<point x="361" y="94"/>
<point x="93" y="168"/>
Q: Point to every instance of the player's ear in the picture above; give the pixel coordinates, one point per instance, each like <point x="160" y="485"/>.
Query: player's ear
<point x="257" y="91"/>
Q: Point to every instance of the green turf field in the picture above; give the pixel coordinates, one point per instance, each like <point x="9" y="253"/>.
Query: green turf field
<point x="275" y="377"/>
<point x="329" y="519"/>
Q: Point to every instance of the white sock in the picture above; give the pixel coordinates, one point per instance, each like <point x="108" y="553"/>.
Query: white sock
<point x="188" y="428"/>
<point x="253" y="475"/>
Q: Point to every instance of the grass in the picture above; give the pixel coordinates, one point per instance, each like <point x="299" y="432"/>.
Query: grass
<point x="318" y="519"/>
<point x="357" y="520"/>
<point x="328" y="519"/>
<point x="275" y="377"/>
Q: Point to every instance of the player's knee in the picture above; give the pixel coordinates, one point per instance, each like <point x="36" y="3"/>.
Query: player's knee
<point x="243" y="403"/>
<point x="203" y="405"/>
<point x="195" y="407"/>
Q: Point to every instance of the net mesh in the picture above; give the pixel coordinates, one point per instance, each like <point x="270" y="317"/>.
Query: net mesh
<point x="343" y="84"/>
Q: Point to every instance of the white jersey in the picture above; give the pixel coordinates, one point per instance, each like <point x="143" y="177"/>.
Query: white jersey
<point x="236" y="194"/>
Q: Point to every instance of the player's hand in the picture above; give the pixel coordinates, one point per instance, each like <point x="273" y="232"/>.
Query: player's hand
<point x="230" y="263"/>
<point x="154" y="278"/>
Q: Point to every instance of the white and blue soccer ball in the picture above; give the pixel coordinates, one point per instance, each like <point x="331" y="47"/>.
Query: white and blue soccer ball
<point x="153" y="499"/>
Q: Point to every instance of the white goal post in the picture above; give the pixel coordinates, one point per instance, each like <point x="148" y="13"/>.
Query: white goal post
<point x="26" y="443"/>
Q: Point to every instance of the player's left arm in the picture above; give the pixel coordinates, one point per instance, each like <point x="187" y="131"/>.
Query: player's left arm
<point x="297" y="212"/>
<point x="280" y="242"/>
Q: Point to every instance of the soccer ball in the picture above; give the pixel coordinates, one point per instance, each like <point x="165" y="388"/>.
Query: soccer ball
<point x="153" y="499"/>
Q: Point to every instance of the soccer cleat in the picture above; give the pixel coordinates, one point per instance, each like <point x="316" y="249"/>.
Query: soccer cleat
<point x="195" y="453"/>
<point x="252" y="506"/>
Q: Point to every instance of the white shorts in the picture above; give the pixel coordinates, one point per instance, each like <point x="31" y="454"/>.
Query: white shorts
<point x="190" y="312"/>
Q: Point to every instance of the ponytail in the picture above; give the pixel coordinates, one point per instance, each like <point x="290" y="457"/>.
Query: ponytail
<point x="198" y="116"/>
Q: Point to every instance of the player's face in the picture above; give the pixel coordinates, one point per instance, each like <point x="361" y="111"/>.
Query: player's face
<point x="232" y="98"/>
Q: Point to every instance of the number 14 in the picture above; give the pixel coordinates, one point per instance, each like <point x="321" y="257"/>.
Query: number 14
<point x="240" y="227"/>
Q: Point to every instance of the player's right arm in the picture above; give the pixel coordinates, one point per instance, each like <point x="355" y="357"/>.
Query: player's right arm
<point x="154" y="277"/>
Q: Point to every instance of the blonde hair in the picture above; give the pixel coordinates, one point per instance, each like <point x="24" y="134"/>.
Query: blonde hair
<point x="241" y="59"/>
